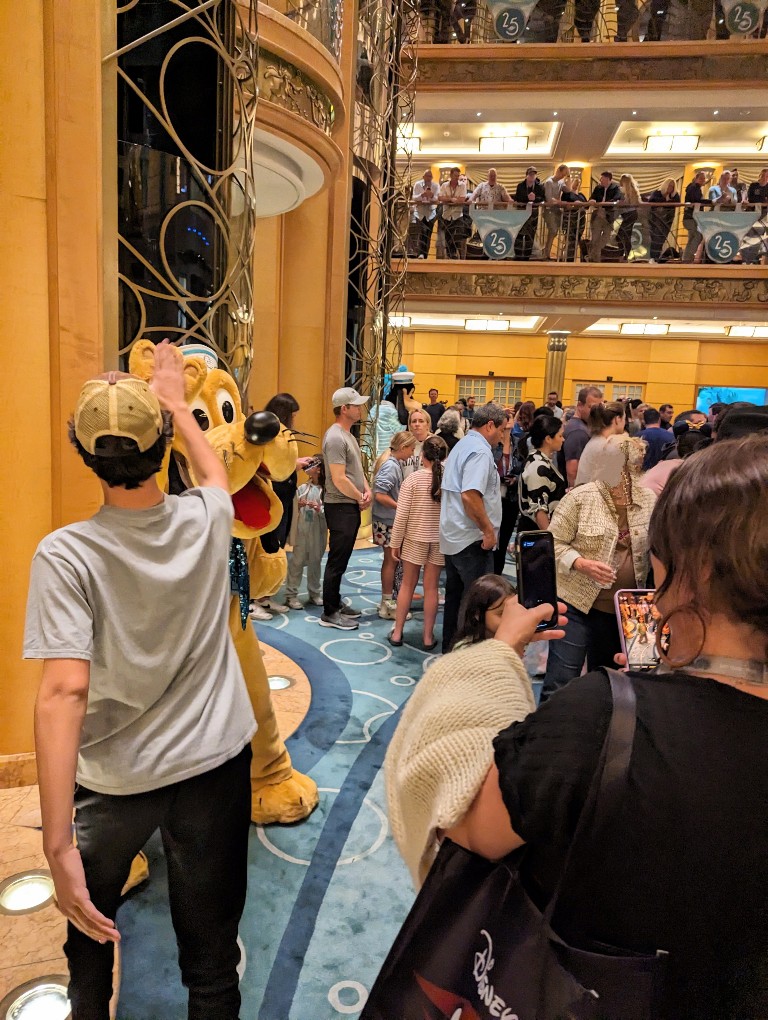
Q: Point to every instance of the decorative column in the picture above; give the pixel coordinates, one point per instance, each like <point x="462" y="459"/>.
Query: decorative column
<point x="554" y="370"/>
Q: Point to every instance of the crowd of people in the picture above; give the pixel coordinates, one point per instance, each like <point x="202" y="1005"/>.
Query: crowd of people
<point x="615" y="223"/>
<point x="633" y="496"/>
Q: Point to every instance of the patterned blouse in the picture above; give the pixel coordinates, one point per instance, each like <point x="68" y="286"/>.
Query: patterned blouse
<point x="541" y="486"/>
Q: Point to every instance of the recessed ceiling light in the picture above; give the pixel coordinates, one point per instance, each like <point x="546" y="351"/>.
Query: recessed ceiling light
<point x="634" y="113"/>
<point x="554" y="113"/>
<point x="479" y="114"/>
<point x="715" y="112"/>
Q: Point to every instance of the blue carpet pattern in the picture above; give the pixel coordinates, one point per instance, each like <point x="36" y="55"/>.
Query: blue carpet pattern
<point x="325" y="897"/>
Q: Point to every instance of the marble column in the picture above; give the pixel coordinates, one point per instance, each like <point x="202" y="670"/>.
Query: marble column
<point x="554" y="370"/>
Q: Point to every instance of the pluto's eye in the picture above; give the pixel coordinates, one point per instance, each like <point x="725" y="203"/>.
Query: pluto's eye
<point x="200" y="415"/>
<point x="227" y="408"/>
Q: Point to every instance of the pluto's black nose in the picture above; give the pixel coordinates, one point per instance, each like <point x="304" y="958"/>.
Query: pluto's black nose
<point x="261" y="427"/>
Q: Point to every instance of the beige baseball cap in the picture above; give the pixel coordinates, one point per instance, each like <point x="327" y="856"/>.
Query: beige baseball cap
<point x="117" y="404"/>
<point x="346" y="395"/>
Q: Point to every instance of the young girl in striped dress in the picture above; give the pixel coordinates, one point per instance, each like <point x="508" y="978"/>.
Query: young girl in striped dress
<point x="415" y="539"/>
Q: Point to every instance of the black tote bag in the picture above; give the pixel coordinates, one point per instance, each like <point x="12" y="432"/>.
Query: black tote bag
<point x="475" y="946"/>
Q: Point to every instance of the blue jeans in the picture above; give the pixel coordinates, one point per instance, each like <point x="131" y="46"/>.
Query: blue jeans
<point x="593" y="636"/>
<point x="461" y="569"/>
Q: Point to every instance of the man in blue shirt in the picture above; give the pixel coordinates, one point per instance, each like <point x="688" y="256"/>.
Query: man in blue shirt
<point x="470" y="510"/>
<point x="655" y="436"/>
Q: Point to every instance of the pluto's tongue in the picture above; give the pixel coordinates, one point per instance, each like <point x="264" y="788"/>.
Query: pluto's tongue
<point x="251" y="506"/>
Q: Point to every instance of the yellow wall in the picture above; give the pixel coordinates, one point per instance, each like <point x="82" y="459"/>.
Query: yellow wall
<point x="670" y="370"/>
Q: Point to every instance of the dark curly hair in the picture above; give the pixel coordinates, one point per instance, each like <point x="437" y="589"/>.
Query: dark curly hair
<point x="121" y="463"/>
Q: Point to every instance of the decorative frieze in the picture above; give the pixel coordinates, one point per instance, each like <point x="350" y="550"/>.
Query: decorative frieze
<point x="285" y="85"/>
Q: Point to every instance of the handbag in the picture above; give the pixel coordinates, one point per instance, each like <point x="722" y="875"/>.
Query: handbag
<point x="475" y="946"/>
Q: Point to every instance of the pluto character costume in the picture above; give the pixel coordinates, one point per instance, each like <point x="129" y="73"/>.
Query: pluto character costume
<point x="254" y="450"/>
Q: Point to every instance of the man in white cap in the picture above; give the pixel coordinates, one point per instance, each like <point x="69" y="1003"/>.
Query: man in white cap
<point x="143" y="720"/>
<point x="346" y="493"/>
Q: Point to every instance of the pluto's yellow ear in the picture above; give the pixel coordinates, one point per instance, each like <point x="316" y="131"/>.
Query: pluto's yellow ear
<point x="142" y="363"/>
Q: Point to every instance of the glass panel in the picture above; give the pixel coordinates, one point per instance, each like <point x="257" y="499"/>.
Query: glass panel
<point x="507" y="391"/>
<point x="580" y="385"/>
<point x="473" y="387"/>
<point x="629" y="391"/>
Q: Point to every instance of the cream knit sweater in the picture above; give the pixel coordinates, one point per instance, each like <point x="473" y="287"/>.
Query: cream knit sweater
<point x="443" y="746"/>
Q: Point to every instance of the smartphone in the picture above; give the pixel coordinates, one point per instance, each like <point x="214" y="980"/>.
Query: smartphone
<point x="638" y="625"/>
<point x="536" y="573"/>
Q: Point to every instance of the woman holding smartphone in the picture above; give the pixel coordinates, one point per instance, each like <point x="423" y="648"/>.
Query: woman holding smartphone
<point x="679" y="868"/>
<point x="601" y="546"/>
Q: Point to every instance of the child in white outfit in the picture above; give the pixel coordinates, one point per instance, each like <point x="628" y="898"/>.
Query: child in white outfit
<point x="310" y="539"/>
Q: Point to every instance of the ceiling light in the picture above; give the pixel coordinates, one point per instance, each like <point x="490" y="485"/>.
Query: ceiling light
<point x="715" y="112"/>
<point x="761" y="331"/>
<point x="410" y="144"/>
<point x="479" y="114"/>
<point x="25" y="892"/>
<point x="400" y="321"/>
<point x="743" y="331"/>
<point x="671" y="143"/>
<point x="486" y="325"/>
<point x="432" y="321"/>
<point x="43" y="998"/>
<point x="554" y="113"/>
<point x="634" y="113"/>
<point x="505" y="143"/>
<point x="645" y="328"/>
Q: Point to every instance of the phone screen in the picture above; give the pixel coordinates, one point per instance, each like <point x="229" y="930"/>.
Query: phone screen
<point x="638" y="625"/>
<point x="536" y="575"/>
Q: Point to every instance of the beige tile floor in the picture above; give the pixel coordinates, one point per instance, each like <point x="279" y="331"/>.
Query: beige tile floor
<point x="30" y="944"/>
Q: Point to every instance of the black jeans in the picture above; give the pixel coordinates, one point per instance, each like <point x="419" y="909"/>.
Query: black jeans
<point x="461" y="569"/>
<point x="425" y="235"/>
<point x="204" y="823"/>
<point x="343" y="520"/>
<point x="510" y="511"/>
<point x="593" y="636"/>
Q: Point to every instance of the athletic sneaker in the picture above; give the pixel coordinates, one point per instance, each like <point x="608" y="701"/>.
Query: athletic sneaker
<point x="271" y="606"/>
<point x="387" y="609"/>
<point x="353" y="614"/>
<point x="316" y="600"/>
<point x="258" y="612"/>
<point x="338" y="621"/>
<point x="293" y="603"/>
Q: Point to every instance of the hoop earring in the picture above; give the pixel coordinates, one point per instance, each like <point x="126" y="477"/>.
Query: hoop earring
<point x="664" y="626"/>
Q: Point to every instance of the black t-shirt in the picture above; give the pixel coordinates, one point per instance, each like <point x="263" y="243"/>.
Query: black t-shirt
<point x="757" y="192"/>
<point x="435" y="412"/>
<point x="682" y="866"/>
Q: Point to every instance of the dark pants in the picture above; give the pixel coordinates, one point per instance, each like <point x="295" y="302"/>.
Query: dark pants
<point x="461" y="569"/>
<point x="425" y="235"/>
<point x="510" y="511"/>
<point x="204" y="825"/>
<point x="525" y="238"/>
<point x="454" y="236"/>
<point x="593" y="636"/>
<point x="343" y="520"/>
<point x="624" y="234"/>
<point x="285" y="491"/>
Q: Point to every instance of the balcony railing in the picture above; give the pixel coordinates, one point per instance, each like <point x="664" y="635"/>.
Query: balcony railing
<point x="321" y="18"/>
<point x="566" y="21"/>
<point x="667" y="233"/>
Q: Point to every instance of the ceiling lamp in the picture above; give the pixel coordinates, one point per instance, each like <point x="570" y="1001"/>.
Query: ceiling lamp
<point x="410" y="144"/>
<point x="504" y="143"/>
<point x="486" y="325"/>
<point x="671" y="143"/>
<point x="748" y="332"/>
<point x="645" y="328"/>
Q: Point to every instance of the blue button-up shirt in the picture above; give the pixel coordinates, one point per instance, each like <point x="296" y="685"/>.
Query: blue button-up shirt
<point x="469" y="466"/>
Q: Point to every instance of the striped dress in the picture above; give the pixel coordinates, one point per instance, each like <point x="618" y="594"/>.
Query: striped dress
<point x="417" y="521"/>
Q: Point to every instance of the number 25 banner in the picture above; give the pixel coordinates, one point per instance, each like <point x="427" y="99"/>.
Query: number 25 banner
<point x="742" y="17"/>
<point x="724" y="231"/>
<point x="510" y="17"/>
<point x="498" y="229"/>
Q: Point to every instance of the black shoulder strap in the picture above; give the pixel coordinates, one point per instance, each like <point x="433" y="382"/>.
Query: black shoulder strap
<point x="610" y="776"/>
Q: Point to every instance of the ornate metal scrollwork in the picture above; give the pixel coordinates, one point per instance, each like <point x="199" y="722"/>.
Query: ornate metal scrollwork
<point x="187" y="210"/>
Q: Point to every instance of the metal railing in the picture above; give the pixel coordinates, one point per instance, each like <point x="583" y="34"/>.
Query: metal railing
<point x="321" y="18"/>
<point x="564" y="21"/>
<point x="649" y="233"/>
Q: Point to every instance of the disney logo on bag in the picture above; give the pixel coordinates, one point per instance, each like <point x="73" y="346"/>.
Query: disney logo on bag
<point x="484" y="962"/>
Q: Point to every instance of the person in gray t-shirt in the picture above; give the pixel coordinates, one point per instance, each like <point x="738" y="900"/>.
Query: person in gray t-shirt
<point x="142" y="702"/>
<point x="346" y="493"/>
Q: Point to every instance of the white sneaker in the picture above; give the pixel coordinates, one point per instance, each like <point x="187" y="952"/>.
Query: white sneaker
<point x="258" y="612"/>
<point x="272" y="606"/>
<point x="293" y="603"/>
<point x="387" y="609"/>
